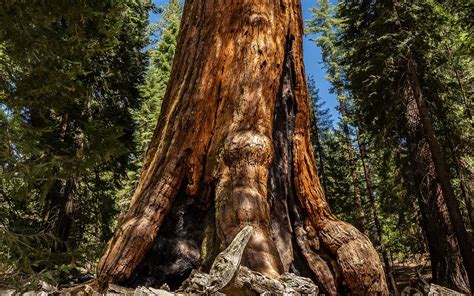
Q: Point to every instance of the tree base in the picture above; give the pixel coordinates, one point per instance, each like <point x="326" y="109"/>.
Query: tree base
<point x="228" y="277"/>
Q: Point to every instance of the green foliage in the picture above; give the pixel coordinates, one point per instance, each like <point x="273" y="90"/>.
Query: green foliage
<point x="69" y="82"/>
<point x="324" y="24"/>
<point x="158" y="73"/>
<point x="154" y="88"/>
<point x="378" y="39"/>
<point x="333" y="30"/>
<point x="321" y="126"/>
<point x="339" y="182"/>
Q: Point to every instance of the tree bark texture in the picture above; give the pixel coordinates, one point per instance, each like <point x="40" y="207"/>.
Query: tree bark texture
<point x="448" y="267"/>
<point x="442" y="175"/>
<point x="231" y="149"/>
<point x="443" y="205"/>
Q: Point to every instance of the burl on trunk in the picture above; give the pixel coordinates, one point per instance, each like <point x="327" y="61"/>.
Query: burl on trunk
<point x="232" y="149"/>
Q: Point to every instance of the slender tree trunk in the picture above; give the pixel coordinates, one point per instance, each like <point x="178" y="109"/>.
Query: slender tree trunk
<point x="232" y="148"/>
<point x="465" y="190"/>
<point x="60" y="206"/>
<point x="353" y="160"/>
<point x="467" y="102"/>
<point x="373" y="205"/>
<point x="65" y="218"/>
<point x="466" y="193"/>
<point x="315" y="136"/>
<point x="451" y="140"/>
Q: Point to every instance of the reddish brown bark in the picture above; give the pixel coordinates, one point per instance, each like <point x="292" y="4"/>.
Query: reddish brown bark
<point x="231" y="149"/>
<point x="448" y="266"/>
<point x="441" y="172"/>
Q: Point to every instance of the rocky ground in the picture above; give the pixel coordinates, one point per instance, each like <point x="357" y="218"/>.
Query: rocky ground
<point x="228" y="277"/>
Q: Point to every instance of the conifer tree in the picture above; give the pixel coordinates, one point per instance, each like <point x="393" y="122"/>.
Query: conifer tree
<point x="325" y="23"/>
<point x="153" y="90"/>
<point x="321" y="125"/>
<point x="390" y="48"/>
<point x="70" y="73"/>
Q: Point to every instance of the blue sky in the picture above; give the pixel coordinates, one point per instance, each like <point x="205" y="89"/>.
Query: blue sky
<point x="312" y="59"/>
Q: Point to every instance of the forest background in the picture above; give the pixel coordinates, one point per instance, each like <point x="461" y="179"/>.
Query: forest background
<point x="81" y="88"/>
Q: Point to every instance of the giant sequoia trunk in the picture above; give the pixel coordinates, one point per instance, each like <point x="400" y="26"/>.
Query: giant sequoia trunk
<point x="232" y="149"/>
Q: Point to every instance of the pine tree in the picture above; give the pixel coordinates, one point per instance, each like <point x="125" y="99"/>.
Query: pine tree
<point x="70" y="78"/>
<point x="154" y="88"/>
<point x="324" y="23"/>
<point x="390" y="47"/>
<point x="321" y="125"/>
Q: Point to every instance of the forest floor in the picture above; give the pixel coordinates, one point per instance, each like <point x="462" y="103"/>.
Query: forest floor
<point x="412" y="274"/>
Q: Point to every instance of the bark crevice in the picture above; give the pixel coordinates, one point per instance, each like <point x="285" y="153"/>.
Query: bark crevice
<point x="240" y="149"/>
<point x="176" y="250"/>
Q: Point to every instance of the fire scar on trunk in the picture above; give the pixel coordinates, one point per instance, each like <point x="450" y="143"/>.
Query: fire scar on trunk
<point x="232" y="149"/>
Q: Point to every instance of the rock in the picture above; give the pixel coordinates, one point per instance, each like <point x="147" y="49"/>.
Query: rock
<point x="297" y="285"/>
<point x="165" y="287"/>
<point x="228" y="261"/>
<point x="115" y="290"/>
<point x="47" y="287"/>
<point x="160" y="292"/>
<point x="252" y="282"/>
<point x="436" y="290"/>
<point x="228" y="277"/>
<point x="195" y="283"/>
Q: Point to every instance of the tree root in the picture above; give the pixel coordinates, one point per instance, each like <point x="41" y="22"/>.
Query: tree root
<point x="228" y="277"/>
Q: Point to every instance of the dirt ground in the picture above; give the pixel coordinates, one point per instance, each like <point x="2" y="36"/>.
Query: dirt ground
<point x="412" y="275"/>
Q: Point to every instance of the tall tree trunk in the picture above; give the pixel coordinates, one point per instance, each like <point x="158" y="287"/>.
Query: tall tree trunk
<point x="316" y="138"/>
<point x="232" y="148"/>
<point x="430" y="158"/>
<point x="353" y="160"/>
<point x="451" y="139"/>
<point x="446" y="262"/>
<point x="448" y="267"/>
<point x="441" y="172"/>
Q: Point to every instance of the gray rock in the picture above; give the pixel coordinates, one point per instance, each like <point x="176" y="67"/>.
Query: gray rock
<point x="436" y="290"/>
